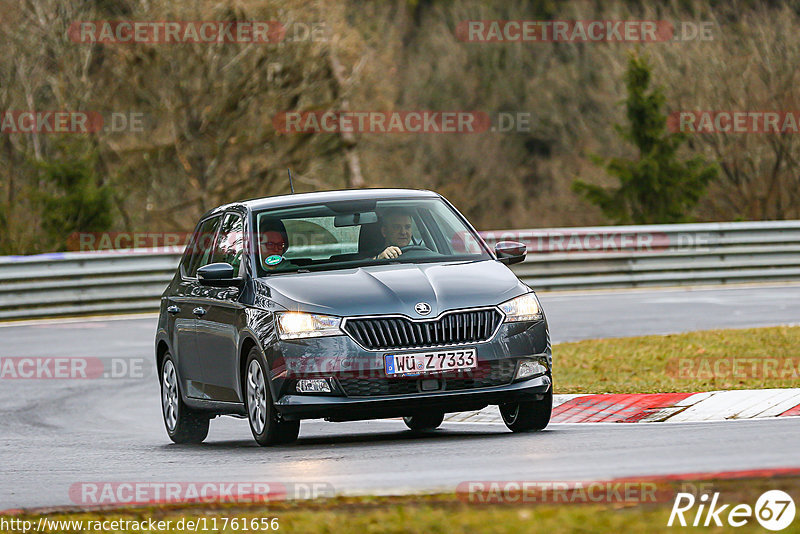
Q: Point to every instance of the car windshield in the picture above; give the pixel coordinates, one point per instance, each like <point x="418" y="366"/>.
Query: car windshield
<point x="348" y="234"/>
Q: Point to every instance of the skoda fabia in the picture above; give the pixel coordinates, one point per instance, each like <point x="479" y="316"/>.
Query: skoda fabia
<point x="348" y="305"/>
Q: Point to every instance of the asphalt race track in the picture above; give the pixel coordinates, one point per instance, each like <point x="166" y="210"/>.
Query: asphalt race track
<point x="57" y="433"/>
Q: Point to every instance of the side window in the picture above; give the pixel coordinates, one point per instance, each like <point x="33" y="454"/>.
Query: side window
<point x="229" y="246"/>
<point x="202" y="244"/>
<point x="188" y="254"/>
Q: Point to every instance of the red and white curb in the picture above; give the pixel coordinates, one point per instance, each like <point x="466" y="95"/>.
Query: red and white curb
<point x="659" y="407"/>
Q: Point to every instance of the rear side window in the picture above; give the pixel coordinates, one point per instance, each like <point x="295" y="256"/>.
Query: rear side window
<point x="201" y="247"/>
<point x="229" y="246"/>
<point x="318" y="238"/>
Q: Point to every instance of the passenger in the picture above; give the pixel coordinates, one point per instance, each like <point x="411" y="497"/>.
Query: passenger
<point x="273" y="242"/>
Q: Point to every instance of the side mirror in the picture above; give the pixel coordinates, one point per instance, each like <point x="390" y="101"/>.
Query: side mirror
<point x="217" y="275"/>
<point x="510" y="252"/>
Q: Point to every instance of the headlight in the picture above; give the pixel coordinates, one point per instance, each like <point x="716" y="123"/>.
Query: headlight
<point x="295" y="325"/>
<point x="523" y="308"/>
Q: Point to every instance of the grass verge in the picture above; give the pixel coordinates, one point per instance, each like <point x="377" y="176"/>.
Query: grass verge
<point x="753" y="358"/>
<point x="448" y="513"/>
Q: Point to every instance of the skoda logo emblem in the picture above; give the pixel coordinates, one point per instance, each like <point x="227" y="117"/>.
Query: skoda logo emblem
<point x="422" y="308"/>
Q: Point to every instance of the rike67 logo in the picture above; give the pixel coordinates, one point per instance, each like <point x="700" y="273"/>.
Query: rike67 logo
<point x="774" y="510"/>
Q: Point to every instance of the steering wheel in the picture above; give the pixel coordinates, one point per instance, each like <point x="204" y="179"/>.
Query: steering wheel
<point x="411" y="248"/>
<point x="416" y="251"/>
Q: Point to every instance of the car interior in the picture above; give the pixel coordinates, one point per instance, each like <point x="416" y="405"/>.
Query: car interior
<point x="370" y="240"/>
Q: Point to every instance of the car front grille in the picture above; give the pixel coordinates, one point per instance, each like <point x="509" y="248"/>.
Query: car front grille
<point x="487" y="374"/>
<point x="380" y="333"/>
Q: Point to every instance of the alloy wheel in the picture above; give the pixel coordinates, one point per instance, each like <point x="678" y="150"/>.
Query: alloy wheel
<point x="169" y="395"/>
<point x="256" y="397"/>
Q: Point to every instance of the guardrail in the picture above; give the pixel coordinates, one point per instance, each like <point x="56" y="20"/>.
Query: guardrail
<point x="657" y="255"/>
<point x="74" y="283"/>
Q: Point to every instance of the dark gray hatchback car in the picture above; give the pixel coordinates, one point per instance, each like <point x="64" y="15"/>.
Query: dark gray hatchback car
<point x="348" y="305"/>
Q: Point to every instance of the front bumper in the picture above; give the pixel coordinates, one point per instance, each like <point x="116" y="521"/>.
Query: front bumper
<point x="339" y="357"/>
<point x="293" y="407"/>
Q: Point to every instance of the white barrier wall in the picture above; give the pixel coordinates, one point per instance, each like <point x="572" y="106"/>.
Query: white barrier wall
<point x="558" y="258"/>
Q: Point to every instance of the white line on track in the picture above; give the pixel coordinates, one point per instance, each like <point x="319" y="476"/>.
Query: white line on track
<point x="78" y="320"/>
<point x="664" y="289"/>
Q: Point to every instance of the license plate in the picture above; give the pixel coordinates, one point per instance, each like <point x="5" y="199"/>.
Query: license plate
<point x="430" y="362"/>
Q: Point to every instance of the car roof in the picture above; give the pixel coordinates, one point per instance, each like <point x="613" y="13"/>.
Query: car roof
<point x="299" y="199"/>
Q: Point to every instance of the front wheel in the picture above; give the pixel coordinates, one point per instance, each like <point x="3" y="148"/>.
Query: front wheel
<point x="529" y="415"/>
<point x="264" y="423"/>
<point x="424" y="422"/>
<point x="184" y="425"/>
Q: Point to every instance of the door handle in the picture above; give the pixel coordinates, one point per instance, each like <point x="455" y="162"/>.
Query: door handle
<point x="199" y="311"/>
<point x="173" y="309"/>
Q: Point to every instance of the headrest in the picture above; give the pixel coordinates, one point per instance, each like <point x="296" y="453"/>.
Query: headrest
<point x="370" y="239"/>
<point x="271" y="224"/>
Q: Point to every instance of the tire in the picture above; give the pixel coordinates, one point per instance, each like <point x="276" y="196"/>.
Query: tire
<point x="424" y="422"/>
<point x="261" y="413"/>
<point x="183" y="424"/>
<point x="528" y="416"/>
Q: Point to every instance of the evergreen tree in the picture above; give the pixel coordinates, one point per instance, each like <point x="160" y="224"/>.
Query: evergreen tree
<point x="5" y="247"/>
<point x="657" y="187"/>
<point x="72" y="200"/>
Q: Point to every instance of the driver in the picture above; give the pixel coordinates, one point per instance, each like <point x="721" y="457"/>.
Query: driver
<point x="396" y="231"/>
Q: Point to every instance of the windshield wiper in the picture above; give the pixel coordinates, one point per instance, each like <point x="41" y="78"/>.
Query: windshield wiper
<point x="372" y="262"/>
<point x="344" y="265"/>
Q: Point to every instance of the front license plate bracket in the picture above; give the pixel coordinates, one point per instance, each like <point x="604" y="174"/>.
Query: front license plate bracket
<point x="430" y="362"/>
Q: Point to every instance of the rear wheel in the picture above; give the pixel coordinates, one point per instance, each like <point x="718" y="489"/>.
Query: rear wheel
<point x="264" y="423"/>
<point x="423" y="422"/>
<point x="184" y="425"/>
<point x="529" y="415"/>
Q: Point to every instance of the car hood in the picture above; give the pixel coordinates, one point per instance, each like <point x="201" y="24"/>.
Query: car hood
<point x="396" y="288"/>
